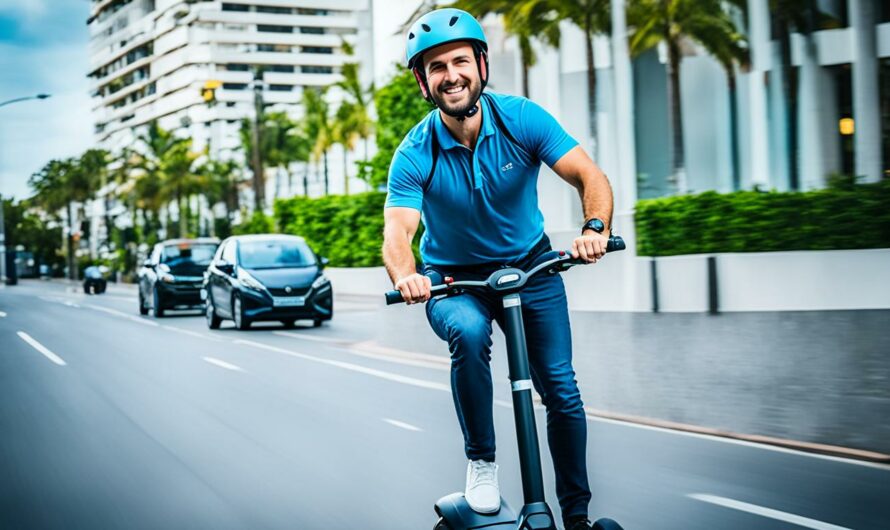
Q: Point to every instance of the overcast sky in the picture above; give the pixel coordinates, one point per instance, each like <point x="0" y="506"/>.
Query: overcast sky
<point x="43" y="48"/>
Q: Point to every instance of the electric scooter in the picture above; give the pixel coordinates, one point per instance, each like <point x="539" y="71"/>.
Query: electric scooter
<point x="453" y="511"/>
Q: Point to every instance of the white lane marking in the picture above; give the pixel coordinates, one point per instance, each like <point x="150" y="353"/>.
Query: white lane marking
<point x="41" y="348"/>
<point x="765" y="512"/>
<point x="223" y="364"/>
<point x="192" y="333"/>
<point x="405" y="358"/>
<point x="754" y="445"/>
<point x="354" y="367"/>
<point x="115" y="312"/>
<point x="403" y="425"/>
<point x="2" y="314"/>
<point x="309" y="337"/>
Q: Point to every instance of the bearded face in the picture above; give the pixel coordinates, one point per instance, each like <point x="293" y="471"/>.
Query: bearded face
<point x="453" y="77"/>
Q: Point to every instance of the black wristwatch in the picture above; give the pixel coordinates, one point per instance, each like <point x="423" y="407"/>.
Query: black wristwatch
<point x="595" y="224"/>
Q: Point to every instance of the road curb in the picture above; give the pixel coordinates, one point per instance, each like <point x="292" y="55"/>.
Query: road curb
<point x="807" y="447"/>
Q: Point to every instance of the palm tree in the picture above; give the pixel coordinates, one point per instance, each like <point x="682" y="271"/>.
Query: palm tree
<point x="63" y="184"/>
<point x="219" y="184"/>
<point x="94" y="162"/>
<point x="672" y="22"/>
<point x="358" y="96"/>
<point x="170" y="160"/>
<point x="522" y="19"/>
<point x="318" y="125"/>
<point x="345" y="133"/>
<point x="541" y="19"/>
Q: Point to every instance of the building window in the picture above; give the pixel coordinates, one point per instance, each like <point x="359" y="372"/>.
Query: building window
<point x="235" y="67"/>
<point x="235" y="86"/>
<point x="312" y="30"/>
<point x="274" y="29"/>
<point x="274" y="9"/>
<point x="317" y="69"/>
<point x="280" y="48"/>
<point x="287" y="68"/>
<point x="317" y="49"/>
<point x="281" y="88"/>
<point x="314" y="12"/>
<point x="235" y="7"/>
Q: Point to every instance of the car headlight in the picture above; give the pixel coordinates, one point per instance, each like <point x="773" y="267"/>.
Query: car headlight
<point x="321" y="282"/>
<point x="249" y="281"/>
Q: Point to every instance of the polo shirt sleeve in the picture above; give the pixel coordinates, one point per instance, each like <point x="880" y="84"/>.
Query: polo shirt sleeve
<point x="543" y="134"/>
<point x="405" y="184"/>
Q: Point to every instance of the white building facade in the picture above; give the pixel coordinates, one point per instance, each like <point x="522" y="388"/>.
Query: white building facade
<point x="150" y="60"/>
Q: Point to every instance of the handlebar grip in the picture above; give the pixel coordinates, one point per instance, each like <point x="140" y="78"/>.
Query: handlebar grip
<point x="394" y="297"/>
<point x="615" y="244"/>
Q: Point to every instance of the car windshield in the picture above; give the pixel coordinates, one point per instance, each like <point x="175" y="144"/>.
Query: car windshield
<point x="188" y="254"/>
<point x="275" y="254"/>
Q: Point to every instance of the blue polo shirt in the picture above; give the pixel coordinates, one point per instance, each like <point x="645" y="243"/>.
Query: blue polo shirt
<point x="480" y="205"/>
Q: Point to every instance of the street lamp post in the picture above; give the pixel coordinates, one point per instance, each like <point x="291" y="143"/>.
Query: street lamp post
<point x="3" y="277"/>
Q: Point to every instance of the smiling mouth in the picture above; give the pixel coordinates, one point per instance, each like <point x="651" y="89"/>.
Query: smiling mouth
<point x="454" y="90"/>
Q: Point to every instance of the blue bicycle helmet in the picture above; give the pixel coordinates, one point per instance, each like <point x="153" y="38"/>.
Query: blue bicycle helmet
<point x="442" y="26"/>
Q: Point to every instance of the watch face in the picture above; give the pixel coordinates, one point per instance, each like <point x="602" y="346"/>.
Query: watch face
<point x="596" y="225"/>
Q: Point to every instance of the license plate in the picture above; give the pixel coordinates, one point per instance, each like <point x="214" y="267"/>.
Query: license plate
<point x="288" y="301"/>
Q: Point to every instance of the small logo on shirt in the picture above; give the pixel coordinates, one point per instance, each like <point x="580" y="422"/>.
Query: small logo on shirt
<point x="508" y="167"/>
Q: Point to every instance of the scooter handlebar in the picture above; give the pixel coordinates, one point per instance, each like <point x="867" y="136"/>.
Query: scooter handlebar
<point x="615" y="244"/>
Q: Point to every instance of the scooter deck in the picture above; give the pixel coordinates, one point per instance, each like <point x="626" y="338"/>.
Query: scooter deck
<point x="459" y="516"/>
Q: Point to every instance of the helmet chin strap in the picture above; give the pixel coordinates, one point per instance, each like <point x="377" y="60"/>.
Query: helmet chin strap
<point x="469" y="113"/>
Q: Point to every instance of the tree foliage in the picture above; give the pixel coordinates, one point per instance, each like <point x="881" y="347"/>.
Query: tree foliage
<point x="399" y="108"/>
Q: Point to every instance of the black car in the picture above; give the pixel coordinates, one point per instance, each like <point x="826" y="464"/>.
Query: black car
<point x="267" y="277"/>
<point x="172" y="276"/>
<point x="94" y="280"/>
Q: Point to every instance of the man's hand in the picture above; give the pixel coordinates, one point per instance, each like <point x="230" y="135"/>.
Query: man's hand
<point x="415" y="288"/>
<point x="590" y="246"/>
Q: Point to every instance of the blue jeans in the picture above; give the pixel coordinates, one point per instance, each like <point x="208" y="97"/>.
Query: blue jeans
<point x="465" y="323"/>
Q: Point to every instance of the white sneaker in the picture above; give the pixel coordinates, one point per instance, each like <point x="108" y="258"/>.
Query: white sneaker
<point x="482" y="491"/>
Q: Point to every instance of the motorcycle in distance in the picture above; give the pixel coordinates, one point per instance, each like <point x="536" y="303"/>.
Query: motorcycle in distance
<point x="453" y="511"/>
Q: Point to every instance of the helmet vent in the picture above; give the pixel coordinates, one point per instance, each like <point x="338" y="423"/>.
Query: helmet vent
<point x="453" y="21"/>
<point x="425" y="28"/>
<point x="410" y="36"/>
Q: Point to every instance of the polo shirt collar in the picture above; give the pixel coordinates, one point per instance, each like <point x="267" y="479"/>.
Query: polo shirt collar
<point x="447" y="141"/>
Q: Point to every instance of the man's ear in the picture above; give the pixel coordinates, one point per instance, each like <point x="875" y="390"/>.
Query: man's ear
<point x="482" y="59"/>
<point x="421" y="82"/>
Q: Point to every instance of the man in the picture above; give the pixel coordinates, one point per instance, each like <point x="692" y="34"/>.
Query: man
<point x="469" y="170"/>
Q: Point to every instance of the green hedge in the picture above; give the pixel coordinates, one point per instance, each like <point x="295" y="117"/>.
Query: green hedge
<point x="346" y="229"/>
<point x="845" y="216"/>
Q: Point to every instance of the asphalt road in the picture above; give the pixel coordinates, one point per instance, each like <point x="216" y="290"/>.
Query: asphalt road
<point x="112" y="420"/>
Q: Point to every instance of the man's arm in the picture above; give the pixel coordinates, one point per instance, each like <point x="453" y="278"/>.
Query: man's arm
<point x="400" y="225"/>
<point x="576" y="168"/>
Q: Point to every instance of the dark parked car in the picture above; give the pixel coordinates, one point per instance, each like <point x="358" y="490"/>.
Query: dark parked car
<point x="94" y="280"/>
<point x="172" y="276"/>
<point x="267" y="277"/>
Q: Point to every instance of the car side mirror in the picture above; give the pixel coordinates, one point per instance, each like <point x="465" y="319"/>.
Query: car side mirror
<point x="147" y="263"/>
<point x="225" y="267"/>
<point x="324" y="261"/>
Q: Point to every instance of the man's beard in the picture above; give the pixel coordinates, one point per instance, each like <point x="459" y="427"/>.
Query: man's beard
<point x="458" y="110"/>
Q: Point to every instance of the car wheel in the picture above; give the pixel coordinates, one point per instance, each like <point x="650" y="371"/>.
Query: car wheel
<point x="213" y="321"/>
<point x="241" y="321"/>
<point x="288" y="324"/>
<point x="143" y="309"/>
<point x="317" y="323"/>
<point x="156" y="302"/>
<point x="86" y="288"/>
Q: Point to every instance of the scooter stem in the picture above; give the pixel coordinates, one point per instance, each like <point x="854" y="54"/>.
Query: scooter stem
<point x="523" y="406"/>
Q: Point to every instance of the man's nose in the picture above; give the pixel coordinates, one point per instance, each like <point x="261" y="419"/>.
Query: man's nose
<point x="451" y="74"/>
